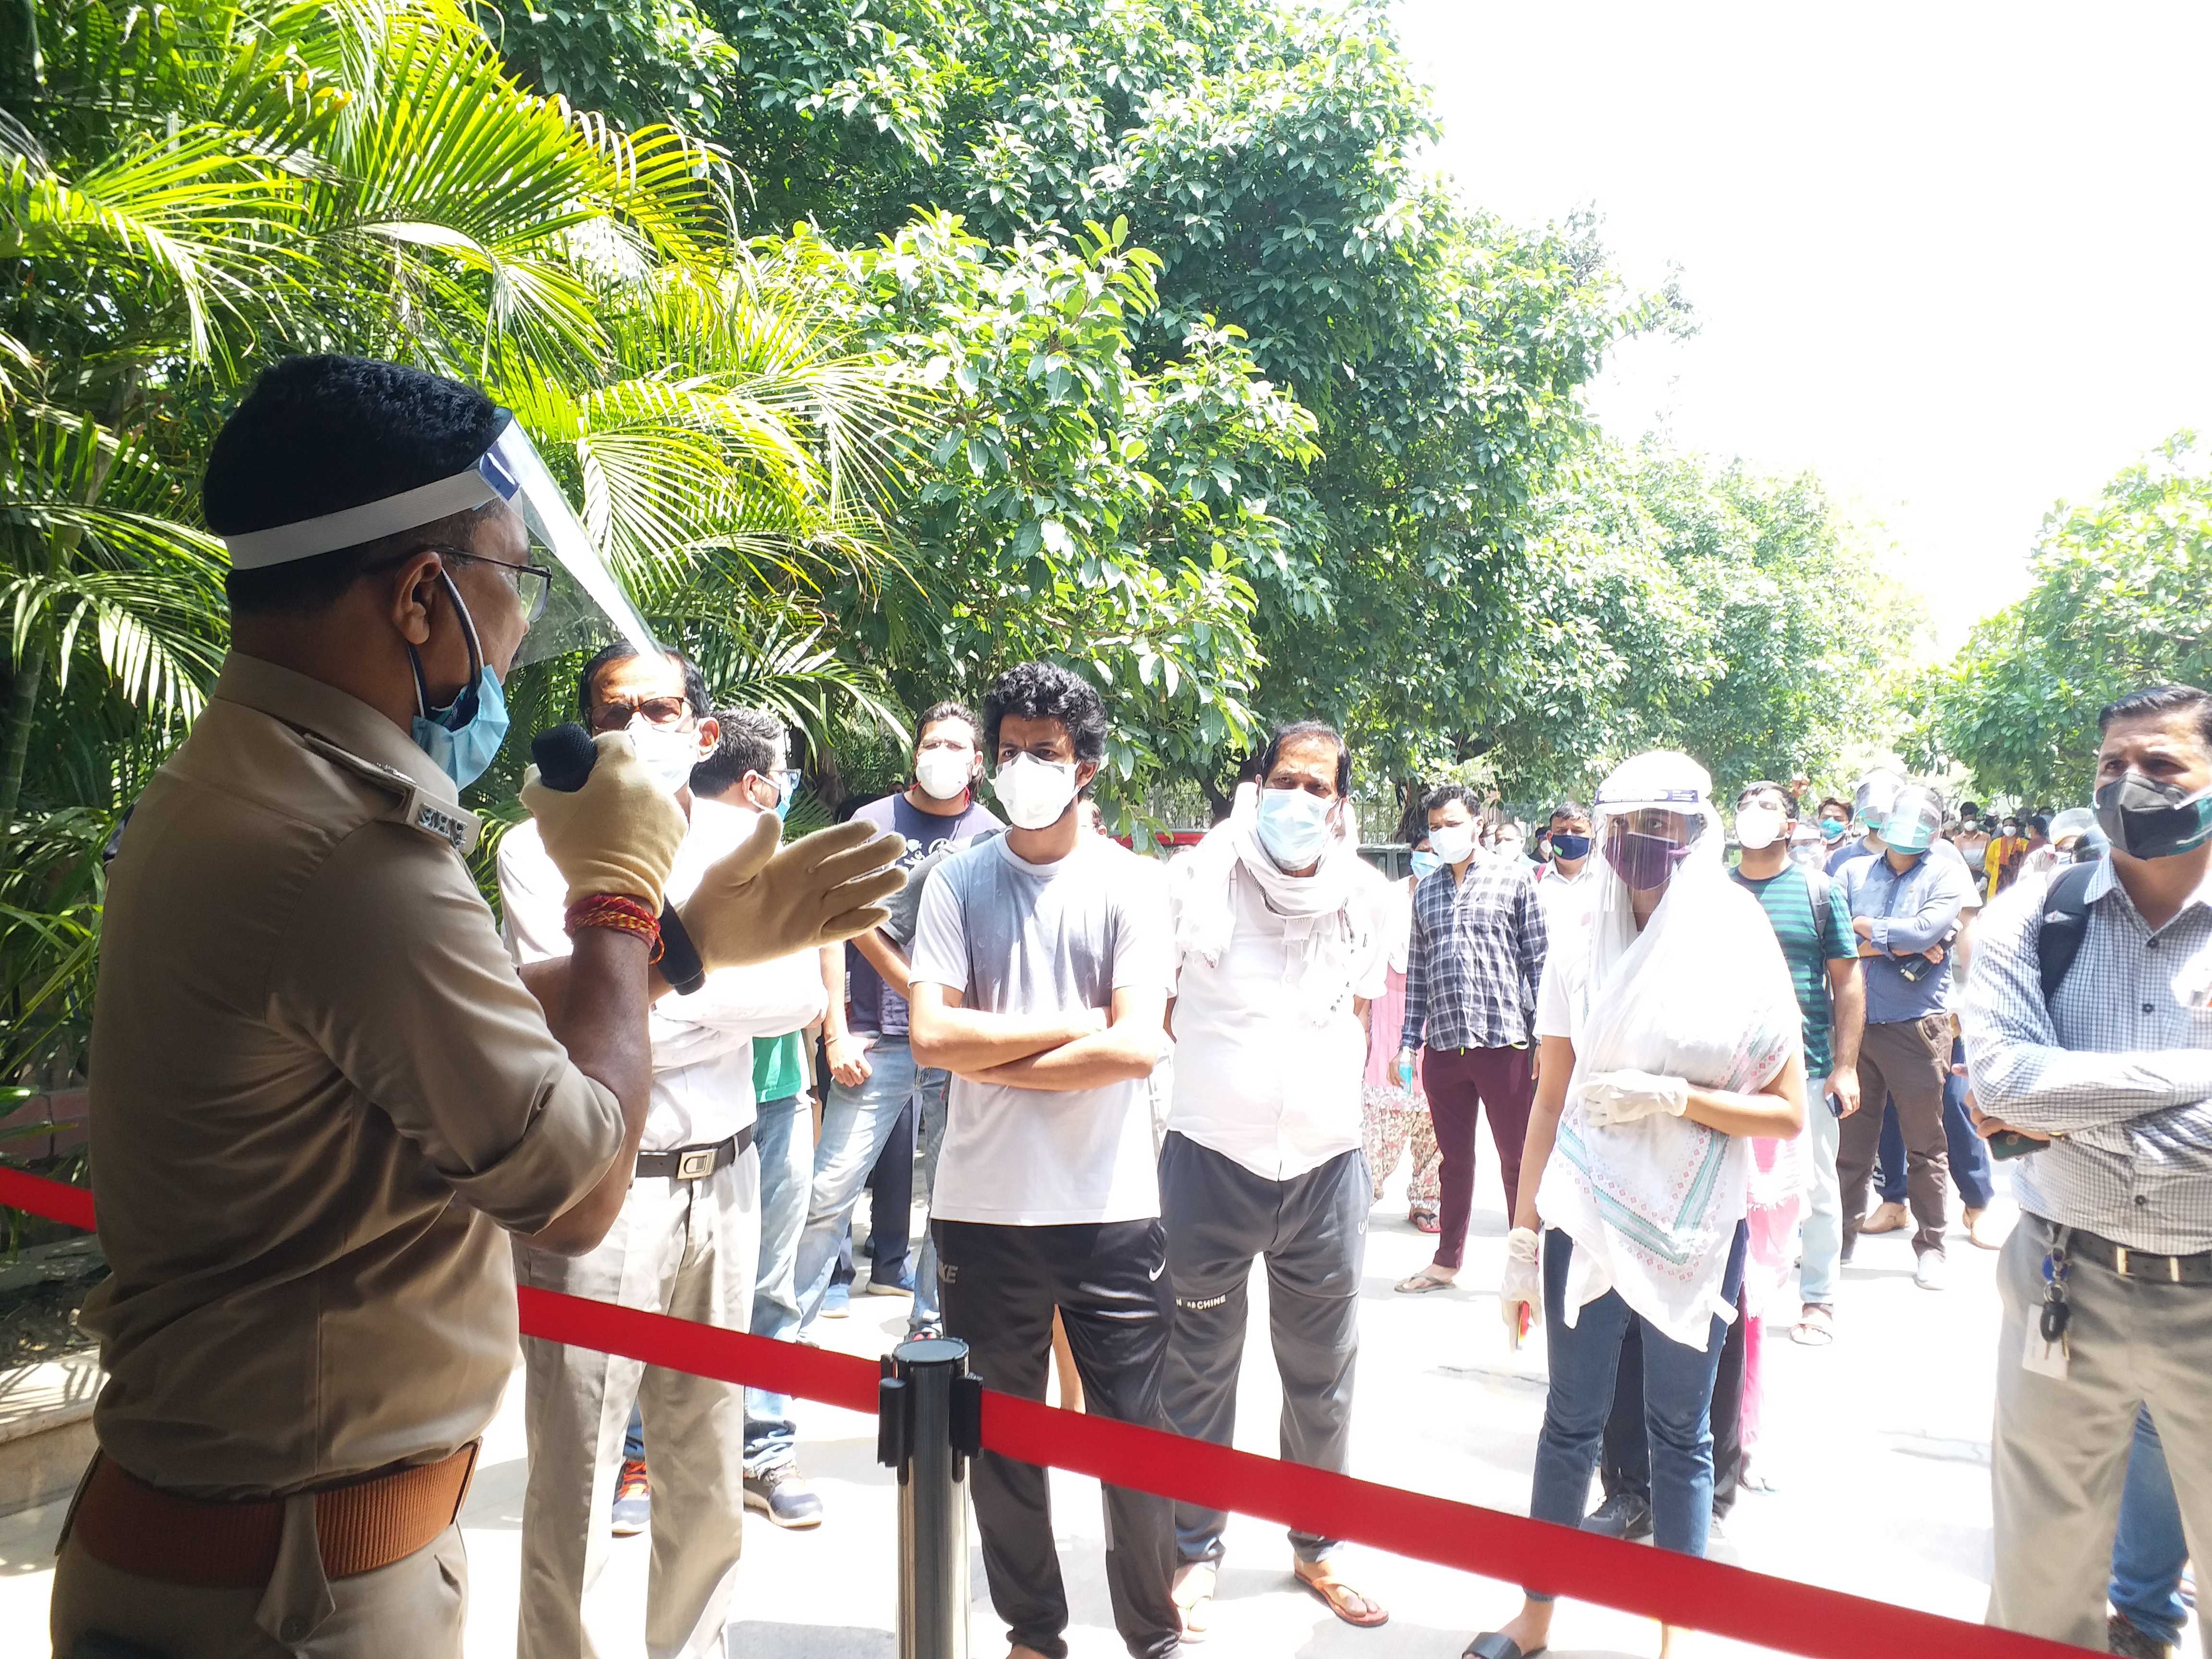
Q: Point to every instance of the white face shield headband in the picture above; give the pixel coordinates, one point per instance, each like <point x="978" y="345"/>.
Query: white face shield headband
<point x="585" y="607"/>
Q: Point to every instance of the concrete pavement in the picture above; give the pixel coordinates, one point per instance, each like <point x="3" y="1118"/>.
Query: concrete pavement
<point x="1878" y="1448"/>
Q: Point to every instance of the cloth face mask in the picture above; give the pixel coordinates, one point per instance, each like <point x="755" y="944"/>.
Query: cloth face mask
<point x="1034" y="793"/>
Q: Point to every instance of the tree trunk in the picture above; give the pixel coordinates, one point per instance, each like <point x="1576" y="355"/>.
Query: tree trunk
<point x="23" y="705"/>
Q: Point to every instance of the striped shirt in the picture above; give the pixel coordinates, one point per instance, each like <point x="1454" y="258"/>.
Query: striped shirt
<point x="2118" y="1065"/>
<point x="1809" y="943"/>
<point x="1476" y="957"/>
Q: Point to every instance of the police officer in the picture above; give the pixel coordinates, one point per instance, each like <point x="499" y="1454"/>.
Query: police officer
<point x="322" y="1086"/>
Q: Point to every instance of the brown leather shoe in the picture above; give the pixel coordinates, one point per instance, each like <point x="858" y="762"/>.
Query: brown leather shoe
<point x="1887" y="1219"/>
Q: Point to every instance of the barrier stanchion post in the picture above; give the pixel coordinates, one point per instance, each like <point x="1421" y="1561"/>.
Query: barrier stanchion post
<point x="929" y="1424"/>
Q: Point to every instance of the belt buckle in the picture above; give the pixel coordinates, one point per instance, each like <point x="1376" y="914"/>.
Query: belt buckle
<point x="695" y="1163"/>
<point x="2120" y="1260"/>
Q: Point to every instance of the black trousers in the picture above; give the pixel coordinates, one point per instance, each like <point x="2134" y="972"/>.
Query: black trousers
<point x="1311" y="1230"/>
<point x="1108" y="1280"/>
<point x="1625" y="1463"/>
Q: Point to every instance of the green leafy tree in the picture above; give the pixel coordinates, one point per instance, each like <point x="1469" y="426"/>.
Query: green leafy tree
<point x="2123" y="585"/>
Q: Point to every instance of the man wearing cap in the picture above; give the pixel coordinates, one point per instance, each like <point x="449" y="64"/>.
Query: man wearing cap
<point x="1905" y="907"/>
<point x="324" y="1090"/>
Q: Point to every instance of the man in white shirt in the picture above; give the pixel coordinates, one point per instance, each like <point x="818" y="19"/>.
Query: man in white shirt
<point x="1041" y="964"/>
<point x="1281" y="943"/>
<point x="685" y="1244"/>
<point x="1564" y="881"/>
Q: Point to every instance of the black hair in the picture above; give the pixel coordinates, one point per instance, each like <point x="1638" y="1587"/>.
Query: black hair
<point x="1567" y="809"/>
<point x="1835" y="800"/>
<point x="1969" y="810"/>
<point x="2041" y="824"/>
<point x="1445" y="793"/>
<point x="1757" y="785"/>
<point x="1298" y="729"/>
<point x="315" y="435"/>
<point x="2161" y="700"/>
<point x="694" y="682"/>
<point x="948" y="711"/>
<point x="750" y="740"/>
<point x="1046" y="691"/>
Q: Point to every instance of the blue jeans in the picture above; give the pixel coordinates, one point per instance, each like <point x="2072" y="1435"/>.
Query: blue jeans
<point x="1678" y="1397"/>
<point x="1969" y="1154"/>
<point x="2149" y="1551"/>
<point x="784" y="1136"/>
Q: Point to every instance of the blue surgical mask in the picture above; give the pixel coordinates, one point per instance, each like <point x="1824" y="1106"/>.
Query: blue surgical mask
<point x="1832" y="828"/>
<point x="787" y="783"/>
<point x="1293" y="827"/>
<point x="463" y="738"/>
<point x="1426" y="863"/>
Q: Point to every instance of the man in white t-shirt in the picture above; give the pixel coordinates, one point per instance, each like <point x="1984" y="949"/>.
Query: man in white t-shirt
<point x="686" y="1243"/>
<point x="1041" y="963"/>
<point x="1282" y="940"/>
<point x="1565" y="881"/>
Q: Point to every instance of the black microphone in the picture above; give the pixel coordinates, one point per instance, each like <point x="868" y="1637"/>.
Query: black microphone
<point x="565" y="755"/>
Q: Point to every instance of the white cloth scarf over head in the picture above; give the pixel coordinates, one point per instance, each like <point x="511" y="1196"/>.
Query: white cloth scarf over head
<point x="1701" y="992"/>
<point x="1313" y="905"/>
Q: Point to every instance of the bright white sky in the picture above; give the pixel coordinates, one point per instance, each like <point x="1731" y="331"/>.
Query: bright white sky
<point x="1956" y="260"/>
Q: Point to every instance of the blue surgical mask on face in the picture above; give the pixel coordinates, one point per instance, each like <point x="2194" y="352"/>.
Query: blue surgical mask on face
<point x="1293" y="827"/>
<point x="463" y="738"/>
<point x="1426" y="863"/>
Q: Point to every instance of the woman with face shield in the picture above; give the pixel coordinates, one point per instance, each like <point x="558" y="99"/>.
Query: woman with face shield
<point x="1671" y="1036"/>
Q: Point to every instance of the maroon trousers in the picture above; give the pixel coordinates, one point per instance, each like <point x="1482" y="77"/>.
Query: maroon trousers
<point x="1459" y="1082"/>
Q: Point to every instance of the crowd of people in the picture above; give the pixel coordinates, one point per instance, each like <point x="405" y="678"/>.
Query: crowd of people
<point x="1701" y="1022"/>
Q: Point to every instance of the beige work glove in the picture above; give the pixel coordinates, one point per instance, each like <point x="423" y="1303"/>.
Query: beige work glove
<point x="1611" y="1098"/>
<point x="1521" y="1292"/>
<point x="763" y="902"/>
<point x="617" y="835"/>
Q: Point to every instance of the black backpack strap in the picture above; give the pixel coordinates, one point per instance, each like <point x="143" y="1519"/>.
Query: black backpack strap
<point x="1822" y="891"/>
<point x="2065" y="922"/>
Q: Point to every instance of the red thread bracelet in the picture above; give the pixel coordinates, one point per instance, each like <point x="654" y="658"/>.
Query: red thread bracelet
<point x="613" y="911"/>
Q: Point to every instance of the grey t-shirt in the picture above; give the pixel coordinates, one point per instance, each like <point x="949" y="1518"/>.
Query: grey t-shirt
<point x="1013" y="936"/>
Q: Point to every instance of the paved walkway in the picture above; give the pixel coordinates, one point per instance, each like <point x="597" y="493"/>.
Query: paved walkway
<point x="1878" y="1446"/>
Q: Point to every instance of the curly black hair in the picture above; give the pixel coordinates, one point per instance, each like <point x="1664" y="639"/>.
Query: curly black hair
<point x="1046" y="691"/>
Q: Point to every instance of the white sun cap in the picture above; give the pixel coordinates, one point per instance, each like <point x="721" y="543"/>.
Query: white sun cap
<point x="588" y="604"/>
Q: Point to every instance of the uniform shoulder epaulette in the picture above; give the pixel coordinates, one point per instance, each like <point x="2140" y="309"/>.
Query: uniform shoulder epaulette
<point x="410" y="805"/>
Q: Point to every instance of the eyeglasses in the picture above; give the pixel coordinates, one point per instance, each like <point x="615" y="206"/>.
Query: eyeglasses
<point x="612" y="714"/>
<point x="533" y="583"/>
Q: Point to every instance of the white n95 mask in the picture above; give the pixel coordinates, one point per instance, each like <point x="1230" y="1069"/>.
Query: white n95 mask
<point x="668" y="754"/>
<point x="1034" y="793"/>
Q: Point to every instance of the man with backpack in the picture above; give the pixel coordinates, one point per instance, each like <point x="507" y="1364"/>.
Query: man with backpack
<point x="2090" y="1050"/>
<point x="1812" y="922"/>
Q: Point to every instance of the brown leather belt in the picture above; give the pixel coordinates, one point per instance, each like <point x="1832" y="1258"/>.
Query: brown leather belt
<point x="151" y="1533"/>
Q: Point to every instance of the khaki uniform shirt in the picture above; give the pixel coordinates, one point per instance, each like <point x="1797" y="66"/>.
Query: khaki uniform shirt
<point x="319" y="1092"/>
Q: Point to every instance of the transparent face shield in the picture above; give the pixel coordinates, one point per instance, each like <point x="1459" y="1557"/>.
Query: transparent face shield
<point x="1916" y="819"/>
<point x="1876" y="792"/>
<point x="585" y="607"/>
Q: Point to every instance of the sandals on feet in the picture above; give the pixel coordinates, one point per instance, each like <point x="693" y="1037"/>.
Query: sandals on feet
<point x="1815" y="1327"/>
<point x="1421" y="1283"/>
<point x="1425" y="1223"/>
<point x="1490" y="1645"/>
<point x="1345" y="1602"/>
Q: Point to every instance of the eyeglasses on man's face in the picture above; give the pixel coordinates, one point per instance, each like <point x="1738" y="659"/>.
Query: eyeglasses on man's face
<point x="612" y="714"/>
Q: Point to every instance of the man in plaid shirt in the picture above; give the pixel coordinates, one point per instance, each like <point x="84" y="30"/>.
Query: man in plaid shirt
<point x="2107" y="1280"/>
<point x="1471" y="973"/>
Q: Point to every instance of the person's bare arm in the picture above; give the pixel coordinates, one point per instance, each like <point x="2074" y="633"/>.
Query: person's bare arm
<point x="1778" y="1111"/>
<point x="1556" y="1064"/>
<point x="972" y="1041"/>
<point x="846" y="1049"/>
<point x="595" y="1000"/>
<point x="1128" y="1048"/>
<point x="1847" y="992"/>
<point x="887" y="959"/>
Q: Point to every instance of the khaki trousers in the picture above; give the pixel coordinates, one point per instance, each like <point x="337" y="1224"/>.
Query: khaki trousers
<point x="682" y="1247"/>
<point x="416" y="1607"/>
<point x="2058" y="1458"/>
<point x="1907" y="1061"/>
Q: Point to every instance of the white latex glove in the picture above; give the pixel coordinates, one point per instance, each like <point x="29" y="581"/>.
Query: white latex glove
<point x="1523" y="1287"/>
<point x="1617" y="1097"/>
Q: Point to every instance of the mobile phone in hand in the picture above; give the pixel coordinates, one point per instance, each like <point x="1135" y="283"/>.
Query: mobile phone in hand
<point x="1835" y="1104"/>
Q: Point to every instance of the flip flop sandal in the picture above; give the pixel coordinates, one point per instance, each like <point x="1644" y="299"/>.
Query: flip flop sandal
<point x="1490" y="1645"/>
<point x="1815" y="1328"/>
<point x="1426" y="1224"/>
<point x="1335" y="1595"/>
<point x="1421" y="1283"/>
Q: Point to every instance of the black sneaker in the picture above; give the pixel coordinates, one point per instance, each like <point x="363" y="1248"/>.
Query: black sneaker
<point x="2123" y="1637"/>
<point x="1623" y="1514"/>
<point x="783" y="1495"/>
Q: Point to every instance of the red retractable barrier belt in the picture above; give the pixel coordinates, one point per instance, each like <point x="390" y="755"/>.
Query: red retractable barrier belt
<point x="1724" y="1600"/>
